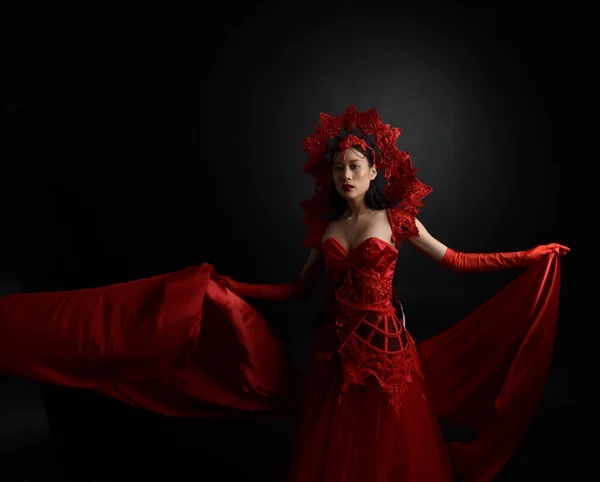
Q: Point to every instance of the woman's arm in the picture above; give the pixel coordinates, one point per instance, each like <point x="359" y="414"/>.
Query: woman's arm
<point x="427" y="244"/>
<point x="311" y="273"/>
<point x="456" y="261"/>
<point x="314" y="265"/>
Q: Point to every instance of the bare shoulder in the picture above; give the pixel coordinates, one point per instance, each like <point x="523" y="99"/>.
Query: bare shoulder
<point x="333" y="228"/>
<point x="381" y="214"/>
<point x="426" y="243"/>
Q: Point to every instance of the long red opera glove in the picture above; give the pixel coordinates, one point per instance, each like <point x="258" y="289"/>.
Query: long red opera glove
<point x="298" y="290"/>
<point x="461" y="262"/>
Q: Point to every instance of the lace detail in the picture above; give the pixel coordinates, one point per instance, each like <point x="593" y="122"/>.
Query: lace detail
<point x="373" y="340"/>
<point x="403" y="224"/>
<point x="382" y="286"/>
<point x="350" y="309"/>
<point x="345" y="296"/>
<point x="346" y="292"/>
<point x="373" y="286"/>
<point x="402" y="186"/>
<point x="393" y="370"/>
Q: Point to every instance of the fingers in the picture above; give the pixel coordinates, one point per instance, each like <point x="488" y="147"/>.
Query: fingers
<point x="221" y="279"/>
<point x="559" y="248"/>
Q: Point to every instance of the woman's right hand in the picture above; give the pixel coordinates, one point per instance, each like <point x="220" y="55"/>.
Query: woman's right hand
<point x="226" y="281"/>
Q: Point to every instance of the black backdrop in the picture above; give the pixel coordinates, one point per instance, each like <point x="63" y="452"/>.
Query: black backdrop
<point x="141" y="142"/>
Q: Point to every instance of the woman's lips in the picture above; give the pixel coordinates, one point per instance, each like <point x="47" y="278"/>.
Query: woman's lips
<point x="347" y="187"/>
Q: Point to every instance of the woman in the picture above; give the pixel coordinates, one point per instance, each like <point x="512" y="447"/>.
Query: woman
<point x="186" y="344"/>
<point x="366" y="415"/>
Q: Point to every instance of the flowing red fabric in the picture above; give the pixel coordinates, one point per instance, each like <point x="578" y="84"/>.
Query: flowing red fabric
<point x="178" y="344"/>
<point x="489" y="370"/>
<point x="182" y="345"/>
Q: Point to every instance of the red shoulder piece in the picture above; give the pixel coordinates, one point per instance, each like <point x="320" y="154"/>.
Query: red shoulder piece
<point x="406" y="190"/>
<point x="403" y="225"/>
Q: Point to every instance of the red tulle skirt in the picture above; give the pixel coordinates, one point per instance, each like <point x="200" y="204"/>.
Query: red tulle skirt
<point x="357" y="436"/>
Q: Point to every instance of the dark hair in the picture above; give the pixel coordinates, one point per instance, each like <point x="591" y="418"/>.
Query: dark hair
<point x="374" y="198"/>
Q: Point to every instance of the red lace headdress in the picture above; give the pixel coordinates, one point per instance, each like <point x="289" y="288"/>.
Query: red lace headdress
<point x="403" y="189"/>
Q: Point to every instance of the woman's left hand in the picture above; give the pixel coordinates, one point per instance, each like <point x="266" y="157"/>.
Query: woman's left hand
<point x="544" y="250"/>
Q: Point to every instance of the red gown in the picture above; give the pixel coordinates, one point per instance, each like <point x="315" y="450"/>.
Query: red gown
<point x="366" y="414"/>
<point x="182" y="345"/>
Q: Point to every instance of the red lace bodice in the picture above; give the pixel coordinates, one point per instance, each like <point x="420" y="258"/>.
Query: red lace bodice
<point x="368" y="319"/>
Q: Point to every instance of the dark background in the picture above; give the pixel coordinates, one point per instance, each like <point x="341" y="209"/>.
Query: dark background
<point x="140" y="141"/>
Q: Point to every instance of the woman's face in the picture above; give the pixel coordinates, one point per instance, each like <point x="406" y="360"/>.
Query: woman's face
<point x="352" y="175"/>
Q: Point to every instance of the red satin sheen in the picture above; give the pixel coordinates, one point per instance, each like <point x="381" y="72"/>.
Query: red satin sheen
<point x="178" y="344"/>
<point x="182" y="345"/>
<point x="489" y="371"/>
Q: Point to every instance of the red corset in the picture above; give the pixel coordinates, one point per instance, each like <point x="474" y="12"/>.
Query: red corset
<point x="370" y="335"/>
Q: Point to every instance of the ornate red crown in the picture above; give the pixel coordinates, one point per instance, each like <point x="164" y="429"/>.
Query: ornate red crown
<point x="403" y="189"/>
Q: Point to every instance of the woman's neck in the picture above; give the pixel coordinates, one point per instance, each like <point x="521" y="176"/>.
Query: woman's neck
<point x="357" y="209"/>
